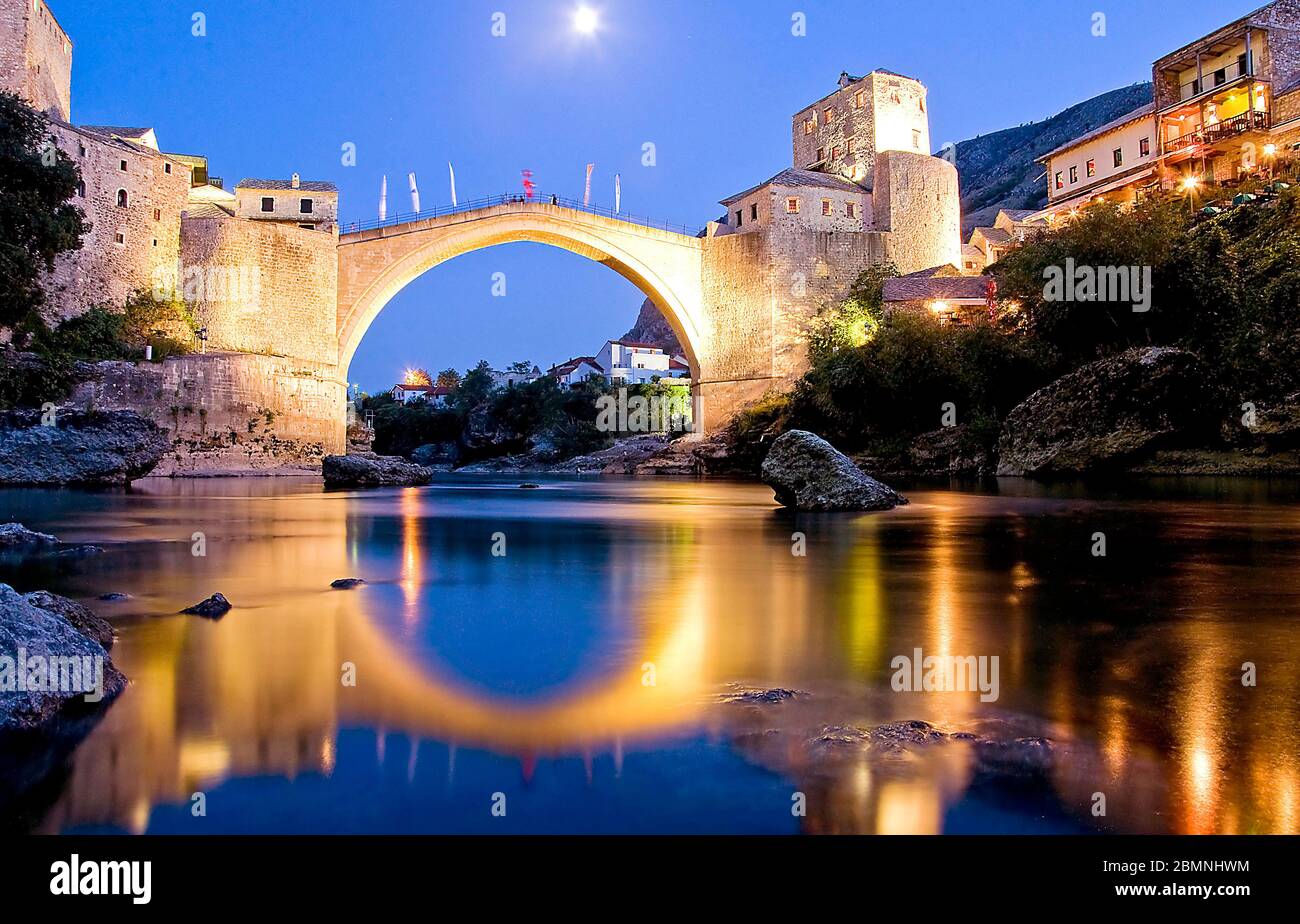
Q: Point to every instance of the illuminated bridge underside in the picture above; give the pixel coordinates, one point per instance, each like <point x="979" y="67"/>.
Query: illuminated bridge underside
<point x="669" y="267"/>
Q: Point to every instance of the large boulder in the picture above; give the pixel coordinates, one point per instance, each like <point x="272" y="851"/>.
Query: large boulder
<point x="43" y="639"/>
<point x="80" y="448"/>
<point x="371" y="471"/>
<point x="808" y="473"/>
<point x="83" y="618"/>
<point x="1109" y="414"/>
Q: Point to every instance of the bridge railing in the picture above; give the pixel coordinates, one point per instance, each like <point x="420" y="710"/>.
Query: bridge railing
<point x="483" y="202"/>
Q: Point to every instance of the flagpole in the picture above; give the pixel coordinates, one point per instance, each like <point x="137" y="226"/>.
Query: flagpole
<point x="586" y="193"/>
<point x="452" y="170"/>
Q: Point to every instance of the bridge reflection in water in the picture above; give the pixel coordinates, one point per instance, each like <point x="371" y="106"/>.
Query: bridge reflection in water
<point x="700" y="592"/>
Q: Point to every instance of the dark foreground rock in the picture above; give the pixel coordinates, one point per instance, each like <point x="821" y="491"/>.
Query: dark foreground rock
<point x="808" y="473"/>
<point x="108" y="448"/>
<point x="1110" y="414"/>
<point x="371" y="471"/>
<point x="214" y="607"/>
<point x="35" y="632"/>
<point x="83" y="618"/>
<point x="346" y="583"/>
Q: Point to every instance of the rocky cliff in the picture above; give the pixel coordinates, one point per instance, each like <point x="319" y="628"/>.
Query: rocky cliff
<point x="1000" y="171"/>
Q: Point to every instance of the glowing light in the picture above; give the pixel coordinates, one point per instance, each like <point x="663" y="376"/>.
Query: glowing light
<point x="585" y="20"/>
<point x="1190" y="183"/>
<point x="1270" y="150"/>
<point x="939" y="307"/>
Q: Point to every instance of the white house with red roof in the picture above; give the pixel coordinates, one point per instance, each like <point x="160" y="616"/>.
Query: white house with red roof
<point x="434" y="394"/>
<point x="631" y="362"/>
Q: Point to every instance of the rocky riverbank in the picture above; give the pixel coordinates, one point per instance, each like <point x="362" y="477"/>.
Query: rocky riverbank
<point x="57" y="447"/>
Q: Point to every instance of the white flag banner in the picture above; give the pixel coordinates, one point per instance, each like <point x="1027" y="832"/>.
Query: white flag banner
<point x="415" y="194"/>
<point x="383" y="198"/>
<point x="618" y="194"/>
<point x="452" y="170"/>
<point x="586" y="193"/>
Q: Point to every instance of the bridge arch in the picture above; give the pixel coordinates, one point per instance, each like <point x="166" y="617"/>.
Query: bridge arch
<point x="376" y="264"/>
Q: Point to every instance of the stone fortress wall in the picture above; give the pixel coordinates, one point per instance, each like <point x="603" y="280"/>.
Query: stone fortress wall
<point x="132" y="197"/>
<point x="36" y="56"/>
<point x="262" y="287"/>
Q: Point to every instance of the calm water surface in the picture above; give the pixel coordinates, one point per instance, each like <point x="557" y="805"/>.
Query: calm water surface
<point x="594" y="674"/>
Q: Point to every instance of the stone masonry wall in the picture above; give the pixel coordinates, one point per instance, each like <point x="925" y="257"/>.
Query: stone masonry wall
<point x="916" y="199"/>
<point x="263" y="287"/>
<point x="35" y="56"/>
<point x="125" y="247"/>
<point x="229" y="412"/>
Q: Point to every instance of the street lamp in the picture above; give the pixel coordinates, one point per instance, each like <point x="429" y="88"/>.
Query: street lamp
<point x="1189" y="185"/>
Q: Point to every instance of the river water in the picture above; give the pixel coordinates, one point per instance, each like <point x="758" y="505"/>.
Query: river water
<point x="592" y="656"/>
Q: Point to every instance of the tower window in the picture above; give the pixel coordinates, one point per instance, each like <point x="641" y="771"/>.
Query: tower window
<point x="305" y="206"/>
<point x="121" y="165"/>
<point x="268" y="203"/>
<point x="167" y="167"/>
<point x="792" y="205"/>
<point x="821" y="155"/>
<point x="753" y="212"/>
<point x="827" y="114"/>
<point x="157" y="214"/>
<point x="916" y="139"/>
<point x="851" y="209"/>
<point x="809" y="125"/>
<point x="81" y="189"/>
<point x="826" y="206"/>
<point x="851" y="145"/>
<point x="119" y="238"/>
<point x="121" y="198"/>
<point x="739" y="218"/>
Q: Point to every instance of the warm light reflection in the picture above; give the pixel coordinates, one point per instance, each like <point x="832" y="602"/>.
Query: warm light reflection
<point x="709" y="597"/>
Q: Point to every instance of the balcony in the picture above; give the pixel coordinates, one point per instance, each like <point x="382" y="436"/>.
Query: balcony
<point x="1213" y="80"/>
<point x="1219" y="131"/>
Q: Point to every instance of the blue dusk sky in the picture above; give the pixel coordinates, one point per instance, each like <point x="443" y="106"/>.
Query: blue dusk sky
<point x="278" y="87"/>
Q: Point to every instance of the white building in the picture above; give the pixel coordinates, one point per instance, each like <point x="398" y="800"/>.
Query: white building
<point x="627" y="362"/>
<point x="575" y="371"/>
<point x="434" y="394"/>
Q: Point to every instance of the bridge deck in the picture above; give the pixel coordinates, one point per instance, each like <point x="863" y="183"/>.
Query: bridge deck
<point x="346" y="230"/>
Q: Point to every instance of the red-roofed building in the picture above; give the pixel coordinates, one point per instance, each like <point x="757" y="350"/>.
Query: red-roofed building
<point x="952" y="299"/>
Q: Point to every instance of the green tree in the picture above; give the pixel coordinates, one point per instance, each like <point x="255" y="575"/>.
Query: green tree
<point x="37" y="222"/>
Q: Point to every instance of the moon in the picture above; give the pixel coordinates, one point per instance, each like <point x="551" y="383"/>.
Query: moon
<point x="585" y="20"/>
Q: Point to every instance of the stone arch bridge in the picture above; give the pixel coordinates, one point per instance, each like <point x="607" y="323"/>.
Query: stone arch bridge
<point x="730" y="349"/>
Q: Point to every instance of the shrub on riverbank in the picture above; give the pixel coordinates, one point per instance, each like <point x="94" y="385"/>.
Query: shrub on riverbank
<point x="1225" y="287"/>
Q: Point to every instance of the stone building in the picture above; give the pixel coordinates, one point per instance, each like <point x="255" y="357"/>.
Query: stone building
<point x="843" y="131"/>
<point x="132" y="195"/>
<point x="1224" y="107"/>
<point x="309" y="204"/>
<point x="36" y="57"/>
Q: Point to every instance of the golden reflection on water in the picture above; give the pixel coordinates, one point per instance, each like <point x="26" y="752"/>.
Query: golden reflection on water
<point x="713" y="596"/>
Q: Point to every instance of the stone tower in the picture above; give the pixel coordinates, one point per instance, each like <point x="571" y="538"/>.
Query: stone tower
<point x="843" y="132"/>
<point x="36" y="57"/>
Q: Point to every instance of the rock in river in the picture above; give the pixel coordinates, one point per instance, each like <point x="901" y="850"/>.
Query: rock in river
<point x="83" y="618"/>
<point x="1109" y="413"/>
<point x="214" y="607"/>
<point x="347" y="583"/>
<point x="105" y="448"/>
<point x="17" y="536"/>
<point x="372" y="471"/>
<point x="808" y="473"/>
<point x="40" y="636"/>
